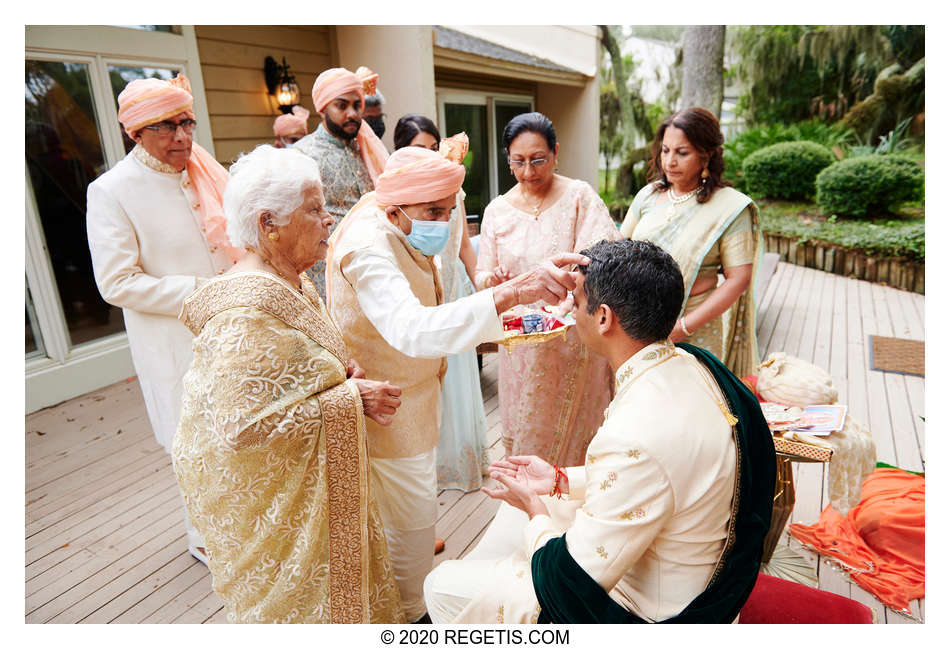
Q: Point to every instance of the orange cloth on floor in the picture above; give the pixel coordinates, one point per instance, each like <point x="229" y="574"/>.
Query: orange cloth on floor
<point x="881" y="540"/>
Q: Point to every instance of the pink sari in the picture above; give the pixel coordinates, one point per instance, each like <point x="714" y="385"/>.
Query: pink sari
<point x="552" y="396"/>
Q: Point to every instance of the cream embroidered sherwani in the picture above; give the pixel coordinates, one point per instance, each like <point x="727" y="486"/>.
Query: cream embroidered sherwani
<point x="647" y="515"/>
<point x="271" y="456"/>
<point x="386" y="298"/>
<point x="149" y="253"/>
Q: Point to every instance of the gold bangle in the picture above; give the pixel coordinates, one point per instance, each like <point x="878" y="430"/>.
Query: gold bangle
<point x="683" y="327"/>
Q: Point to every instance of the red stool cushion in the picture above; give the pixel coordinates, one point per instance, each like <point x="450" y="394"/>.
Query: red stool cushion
<point x="779" y="601"/>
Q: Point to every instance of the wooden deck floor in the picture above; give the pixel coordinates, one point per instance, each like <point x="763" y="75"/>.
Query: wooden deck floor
<point x="104" y="536"/>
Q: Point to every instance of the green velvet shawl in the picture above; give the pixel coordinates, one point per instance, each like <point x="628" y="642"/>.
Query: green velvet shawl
<point x="568" y="595"/>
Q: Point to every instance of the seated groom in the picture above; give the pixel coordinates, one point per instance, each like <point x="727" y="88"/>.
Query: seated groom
<point x="666" y="519"/>
<point x="384" y="294"/>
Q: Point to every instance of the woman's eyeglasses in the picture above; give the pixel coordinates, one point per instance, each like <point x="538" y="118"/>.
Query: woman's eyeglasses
<point x="537" y="163"/>
<point x="167" y="128"/>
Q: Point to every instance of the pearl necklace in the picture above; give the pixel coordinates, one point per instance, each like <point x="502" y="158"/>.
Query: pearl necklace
<point x="677" y="200"/>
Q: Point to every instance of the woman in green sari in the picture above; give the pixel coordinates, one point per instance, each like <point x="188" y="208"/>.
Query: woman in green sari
<point x="688" y="210"/>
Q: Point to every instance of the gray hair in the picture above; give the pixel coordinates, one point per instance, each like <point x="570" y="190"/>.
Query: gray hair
<point x="266" y="180"/>
<point x="376" y="99"/>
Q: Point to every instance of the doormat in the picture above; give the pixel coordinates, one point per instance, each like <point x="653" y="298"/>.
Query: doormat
<point x="898" y="355"/>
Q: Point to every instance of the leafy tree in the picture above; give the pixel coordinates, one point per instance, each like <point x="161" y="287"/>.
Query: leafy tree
<point x="611" y="137"/>
<point x="795" y="72"/>
<point x="633" y="115"/>
<point x="779" y="87"/>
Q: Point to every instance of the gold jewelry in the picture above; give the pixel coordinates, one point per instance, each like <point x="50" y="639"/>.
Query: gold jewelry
<point x="677" y="200"/>
<point x="536" y="208"/>
<point x="705" y="174"/>
<point x="273" y="236"/>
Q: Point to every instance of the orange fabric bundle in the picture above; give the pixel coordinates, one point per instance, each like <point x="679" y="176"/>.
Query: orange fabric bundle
<point x="881" y="541"/>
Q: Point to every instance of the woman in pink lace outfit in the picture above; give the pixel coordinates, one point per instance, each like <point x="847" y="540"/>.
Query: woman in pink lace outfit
<point x="553" y="395"/>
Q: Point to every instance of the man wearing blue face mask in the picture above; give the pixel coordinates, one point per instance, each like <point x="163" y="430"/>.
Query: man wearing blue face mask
<point x="385" y="295"/>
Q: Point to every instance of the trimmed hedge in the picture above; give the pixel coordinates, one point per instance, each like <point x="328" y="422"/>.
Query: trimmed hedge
<point x="786" y="170"/>
<point x="868" y="185"/>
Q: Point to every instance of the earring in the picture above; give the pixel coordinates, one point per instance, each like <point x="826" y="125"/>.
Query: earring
<point x="705" y="174"/>
<point x="273" y="236"/>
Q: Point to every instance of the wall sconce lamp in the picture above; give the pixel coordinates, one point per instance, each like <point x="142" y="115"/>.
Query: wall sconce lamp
<point x="281" y="84"/>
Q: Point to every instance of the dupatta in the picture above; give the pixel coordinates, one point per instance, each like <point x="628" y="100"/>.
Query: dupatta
<point x="689" y="239"/>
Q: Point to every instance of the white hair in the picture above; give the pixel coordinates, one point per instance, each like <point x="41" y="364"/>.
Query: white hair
<point x="266" y="180"/>
<point x="376" y="99"/>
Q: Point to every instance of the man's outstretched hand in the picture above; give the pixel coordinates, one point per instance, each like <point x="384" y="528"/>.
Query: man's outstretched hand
<point x="550" y="281"/>
<point x="516" y="494"/>
<point x="529" y="470"/>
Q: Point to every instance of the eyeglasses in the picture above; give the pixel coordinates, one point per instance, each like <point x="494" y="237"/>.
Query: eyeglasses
<point x="537" y="163"/>
<point x="167" y="128"/>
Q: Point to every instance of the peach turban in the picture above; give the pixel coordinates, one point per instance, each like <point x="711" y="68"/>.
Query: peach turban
<point x="417" y="175"/>
<point x="149" y="101"/>
<point x="291" y="123"/>
<point x="338" y="81"/>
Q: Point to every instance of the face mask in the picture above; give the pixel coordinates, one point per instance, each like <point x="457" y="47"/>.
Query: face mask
<point x="376" y="123"/>
<point x="428" y="237"/>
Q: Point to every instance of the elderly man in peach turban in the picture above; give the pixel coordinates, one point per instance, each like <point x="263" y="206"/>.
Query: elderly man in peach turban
<point x="350" y="155"/>
<point x="291" y="127"/>
<point x="156" y="230"/>
<point x="385" y="295"/>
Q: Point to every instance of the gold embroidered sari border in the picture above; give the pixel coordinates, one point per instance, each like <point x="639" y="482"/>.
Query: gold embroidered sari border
<point x="268" y="294"/>
<point x="346" y="495"/>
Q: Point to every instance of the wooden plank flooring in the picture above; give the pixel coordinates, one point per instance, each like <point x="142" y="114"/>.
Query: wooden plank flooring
<point x="105" y="541"/>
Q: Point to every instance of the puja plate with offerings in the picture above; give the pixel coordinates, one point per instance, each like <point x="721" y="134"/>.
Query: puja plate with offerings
<point x="528" y="326"/>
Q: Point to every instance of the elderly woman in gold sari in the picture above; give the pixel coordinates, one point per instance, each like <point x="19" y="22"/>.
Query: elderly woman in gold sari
<point x="271" y="450"/>
<point x="689" y="211"/>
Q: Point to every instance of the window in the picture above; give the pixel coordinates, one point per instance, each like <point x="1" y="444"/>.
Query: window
<point x="75" y="342"/>
<point x="483" y="118"/>
<point x="64" y="153"/>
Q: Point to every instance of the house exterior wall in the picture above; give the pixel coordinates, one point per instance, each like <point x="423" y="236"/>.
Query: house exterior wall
<point x="575" y="111"/>
<point x="232" y="63"/>
<point x="576" y="116"/>
<point x="242" y="113"/>
<point x="402" y="57"/>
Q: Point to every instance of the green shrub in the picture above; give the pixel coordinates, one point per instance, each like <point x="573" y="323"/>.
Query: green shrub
<point x="868" y="185"/>
<point x="786" y="169"/>
<point x="740" y="146"/>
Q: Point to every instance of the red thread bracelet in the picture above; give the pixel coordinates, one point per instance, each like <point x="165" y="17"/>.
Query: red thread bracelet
<point x="556" y="489"/>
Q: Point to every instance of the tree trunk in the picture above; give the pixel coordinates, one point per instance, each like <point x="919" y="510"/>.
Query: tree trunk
<point x="703" y="50"/>
<point x="623" y="185"/>
<point x="620" y="74"/>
